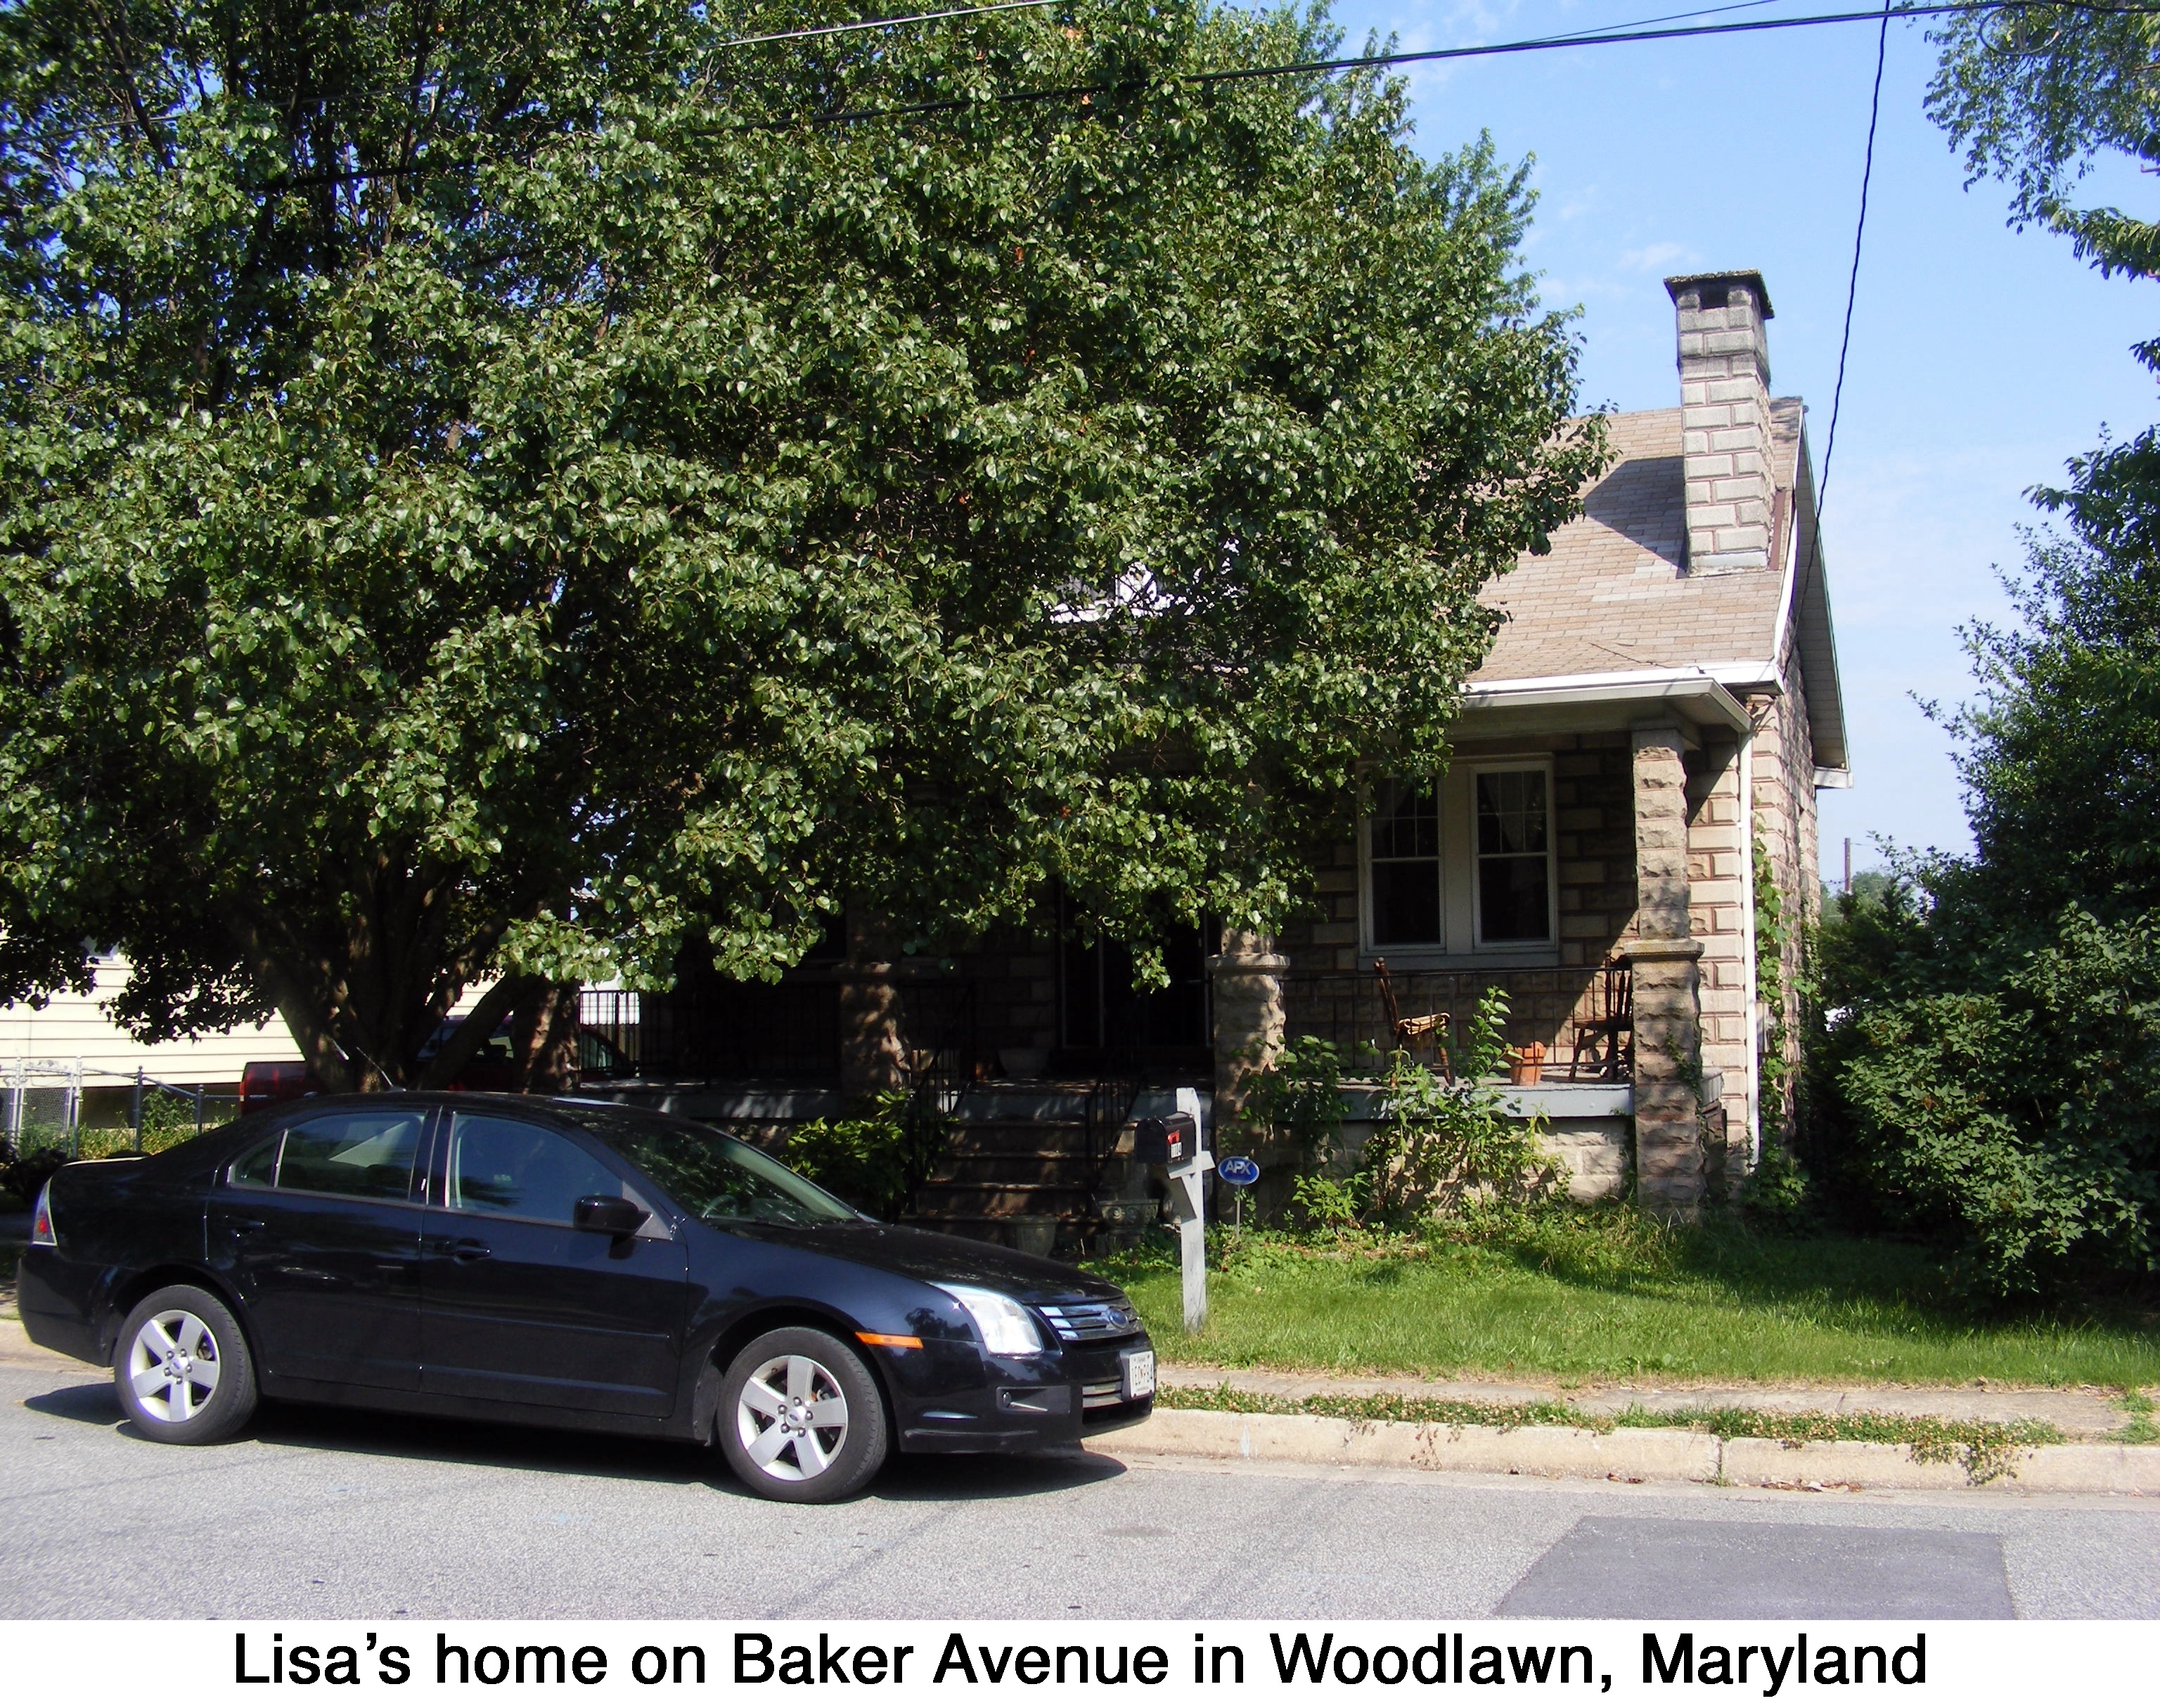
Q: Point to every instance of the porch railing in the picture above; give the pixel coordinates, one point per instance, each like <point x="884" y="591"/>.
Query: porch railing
<point x="1345" y="1009"/>
<point x="789" y="1031"/>
<point x="786" y="1032"/>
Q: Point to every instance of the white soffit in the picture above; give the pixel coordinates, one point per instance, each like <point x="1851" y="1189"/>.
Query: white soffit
<point x="1605" y="700"/>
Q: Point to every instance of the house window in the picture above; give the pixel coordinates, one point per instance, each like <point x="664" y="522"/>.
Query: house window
<point x="1514" y="858"/>
<point x="1405" y="864"/>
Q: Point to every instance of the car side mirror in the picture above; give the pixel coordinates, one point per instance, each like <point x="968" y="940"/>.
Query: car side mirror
<point x="612" y="1215"/>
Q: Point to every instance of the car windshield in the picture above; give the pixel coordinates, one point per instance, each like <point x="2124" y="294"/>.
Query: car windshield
<point x="717" y="1179"/>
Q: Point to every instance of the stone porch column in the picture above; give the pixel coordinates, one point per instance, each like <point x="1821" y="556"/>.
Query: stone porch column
<point x="1248" y="1001"/>
<point x="870" y="1058"/>
<point x="1668" y="1156"/>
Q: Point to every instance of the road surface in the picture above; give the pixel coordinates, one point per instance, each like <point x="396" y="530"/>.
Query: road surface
<point x="328" y="1515"/>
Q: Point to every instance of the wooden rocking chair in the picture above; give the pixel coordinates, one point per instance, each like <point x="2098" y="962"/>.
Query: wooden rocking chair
<point x="1402" y="1031"/>
<point x="1611" y="1035"/>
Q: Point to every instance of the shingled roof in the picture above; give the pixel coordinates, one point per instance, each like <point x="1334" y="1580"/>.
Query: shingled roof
<point x="1614" y="594"/>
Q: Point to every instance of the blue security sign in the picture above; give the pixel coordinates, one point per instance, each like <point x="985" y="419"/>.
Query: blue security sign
<point x="1238" y="1170"/>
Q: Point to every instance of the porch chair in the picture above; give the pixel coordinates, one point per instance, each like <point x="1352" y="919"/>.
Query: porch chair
<point x="1611" y="1035"/>
<point x="1402" y="1031"/>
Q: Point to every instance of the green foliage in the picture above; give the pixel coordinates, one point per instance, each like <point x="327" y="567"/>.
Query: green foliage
<point x="1987" y="1451"/>
<point x="874" y="1162"/>
<point x="2036" y="95"/>
<point x="2016" y="1115"/>
<point x="36" y="1160"/>
<point x="511" y="490"/>
<point x="1605" y="1291"/>
<point x="1449" y="1142"/>
<point x="1992" y="1026"/>
<point x="1324" y="1199"/>
<point x="1297" y="1100"/>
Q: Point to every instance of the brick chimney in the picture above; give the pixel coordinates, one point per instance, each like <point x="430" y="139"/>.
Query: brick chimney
<point x="1725" y="419"/>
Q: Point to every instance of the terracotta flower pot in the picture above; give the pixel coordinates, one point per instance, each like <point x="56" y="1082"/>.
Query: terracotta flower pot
<point x="1527" y="1066"/>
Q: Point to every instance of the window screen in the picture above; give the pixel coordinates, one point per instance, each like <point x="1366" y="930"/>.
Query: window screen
<point x="513" y="1168"/>
<point x="1514" y="855"/>
<point x="1405" y="864"/>
<point x="354" y="1154"/>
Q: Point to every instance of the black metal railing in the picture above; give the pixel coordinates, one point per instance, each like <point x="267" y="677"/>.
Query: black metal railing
<point x="939" y="1038"/>
<point x="789" y="1031"/>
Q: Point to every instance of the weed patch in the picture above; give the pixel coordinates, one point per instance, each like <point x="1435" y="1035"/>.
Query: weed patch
<point x="1985" y="1450"/>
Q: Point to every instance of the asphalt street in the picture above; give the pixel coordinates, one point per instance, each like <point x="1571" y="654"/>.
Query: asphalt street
<point x="347" y="1515"/>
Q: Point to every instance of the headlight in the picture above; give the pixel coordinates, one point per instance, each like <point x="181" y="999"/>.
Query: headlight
<point x="1004" y="1323"/>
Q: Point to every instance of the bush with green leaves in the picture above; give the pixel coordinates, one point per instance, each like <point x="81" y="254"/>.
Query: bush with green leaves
<point x="874" y="1161"/>
<point x="2006" y="1106"/>
<point x="1448" y="1141"/>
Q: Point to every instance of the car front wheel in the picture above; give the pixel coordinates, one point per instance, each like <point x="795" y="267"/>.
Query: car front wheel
<point x="801" y="1418"/>
<point x="181" y="1368"/>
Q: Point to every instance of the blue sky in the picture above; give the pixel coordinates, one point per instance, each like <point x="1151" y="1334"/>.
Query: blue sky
<point x="1982" y="358"/>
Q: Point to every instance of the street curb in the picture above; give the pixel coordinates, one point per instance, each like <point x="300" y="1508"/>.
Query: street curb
<point x="1625" y="1455"/>
<point x="17" y="1351"/>
<point x="1629" y="1456"/>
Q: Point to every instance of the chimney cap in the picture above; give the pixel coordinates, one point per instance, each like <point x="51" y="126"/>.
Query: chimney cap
<point x="1744" y="276"/>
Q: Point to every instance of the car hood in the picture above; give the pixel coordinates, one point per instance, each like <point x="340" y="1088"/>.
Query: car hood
<point x="938" y="1257"/>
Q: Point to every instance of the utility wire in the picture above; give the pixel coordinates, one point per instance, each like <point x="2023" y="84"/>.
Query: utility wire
<point x="790" y="35"/>
<point x="819" y="29"/>
<point x="1852" y="283"/>
<point x="1609" y="36"/>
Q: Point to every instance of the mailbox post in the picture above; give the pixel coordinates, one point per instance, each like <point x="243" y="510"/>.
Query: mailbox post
<point x="1178" y="1143"/>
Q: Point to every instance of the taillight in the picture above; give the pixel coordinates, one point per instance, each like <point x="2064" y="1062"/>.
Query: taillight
<point x="41" y="1218"/>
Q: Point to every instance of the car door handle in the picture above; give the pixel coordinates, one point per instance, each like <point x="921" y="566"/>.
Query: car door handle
<point x="240" y="1230"/>
<point x="463" y="1251"/>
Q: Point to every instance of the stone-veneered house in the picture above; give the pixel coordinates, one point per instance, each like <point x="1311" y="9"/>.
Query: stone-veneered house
<point x="1634" y="775"/>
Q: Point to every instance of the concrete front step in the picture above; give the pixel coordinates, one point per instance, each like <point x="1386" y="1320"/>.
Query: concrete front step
<point x="990" y="1201"/>
<point x="1032" y="1169"/>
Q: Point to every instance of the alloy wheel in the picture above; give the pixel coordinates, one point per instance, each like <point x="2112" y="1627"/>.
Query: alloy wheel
<point x="791" y="1418"/>
<point x="173" y="1366"/>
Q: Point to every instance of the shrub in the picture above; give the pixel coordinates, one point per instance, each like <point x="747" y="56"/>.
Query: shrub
<point x="874" y="1162"/>
<point x="1450" y="1142"/>
<point x="2016" y="1115"/>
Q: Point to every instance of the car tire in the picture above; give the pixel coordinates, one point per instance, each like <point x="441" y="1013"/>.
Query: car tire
<point x="182" y="1368"/>
<point x="800" y="1417"/>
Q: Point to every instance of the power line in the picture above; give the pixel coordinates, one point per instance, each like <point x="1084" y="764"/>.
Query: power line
<point x="1852" y="283"/>
<point x="1607" y="36"/>
<point x="1610" y="36"/>
<point x="790" y="35"/>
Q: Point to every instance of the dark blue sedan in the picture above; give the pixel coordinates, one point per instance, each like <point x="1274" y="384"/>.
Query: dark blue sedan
<point x="555" y="1262"/>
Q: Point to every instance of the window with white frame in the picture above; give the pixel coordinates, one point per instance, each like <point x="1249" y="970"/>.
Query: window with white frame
<point x="1404" y="852"/>
<point x="1464" y="863"/>
<point x="1514" y="858"/>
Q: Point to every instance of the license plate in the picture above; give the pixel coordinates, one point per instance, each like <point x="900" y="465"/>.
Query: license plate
<point x="1139" y="1374"/>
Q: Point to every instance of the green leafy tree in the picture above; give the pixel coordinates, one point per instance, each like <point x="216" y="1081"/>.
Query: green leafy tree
<point x="1991" y="1025"/>
<point x="2037" y="95"/>
<point x="498" y="490"/>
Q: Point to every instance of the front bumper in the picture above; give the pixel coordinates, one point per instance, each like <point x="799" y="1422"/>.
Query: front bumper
<point x="1014" y="1405"/>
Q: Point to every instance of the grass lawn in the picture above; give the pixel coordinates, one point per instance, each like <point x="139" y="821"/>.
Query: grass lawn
<point x="1604" y="1295"/>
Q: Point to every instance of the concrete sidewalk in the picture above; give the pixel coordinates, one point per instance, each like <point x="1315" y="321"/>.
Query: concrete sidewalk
<point x="2081" y="1414"/>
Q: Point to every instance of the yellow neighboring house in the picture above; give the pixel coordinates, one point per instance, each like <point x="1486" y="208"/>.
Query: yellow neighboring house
<point x="67" y="1063"/>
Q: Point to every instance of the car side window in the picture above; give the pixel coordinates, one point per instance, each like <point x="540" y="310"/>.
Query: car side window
<point x="352" y="1154"/>
<point x="512" y="1168"/>
<point x="258" y="1167"/>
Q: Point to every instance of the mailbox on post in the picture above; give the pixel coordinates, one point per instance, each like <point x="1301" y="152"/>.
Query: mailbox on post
<point x="1177" y="1144"/>
<point x="1170" y="1141"/>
